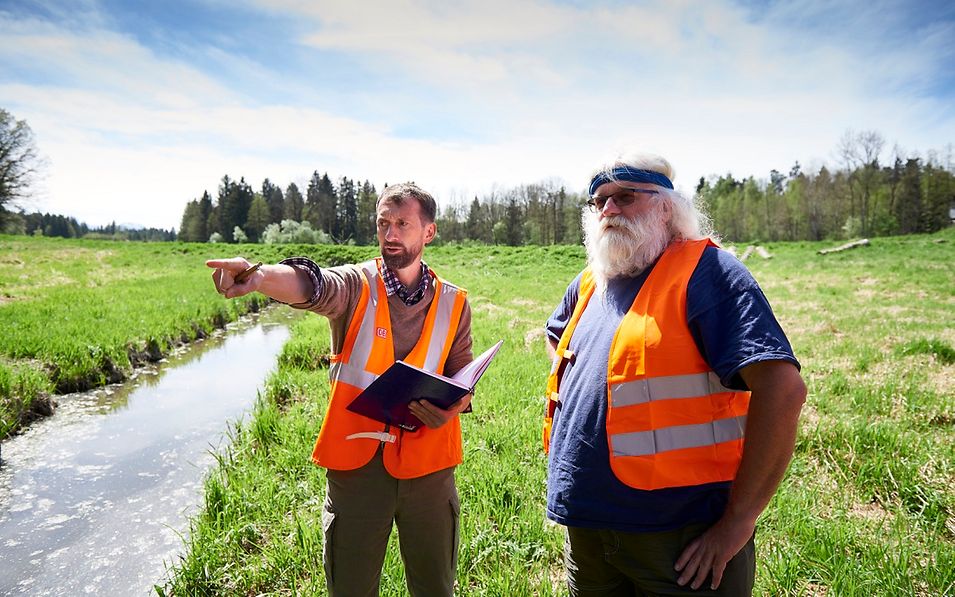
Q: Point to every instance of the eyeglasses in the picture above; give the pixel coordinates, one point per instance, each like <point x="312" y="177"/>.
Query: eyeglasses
<point x="620" y="198"/>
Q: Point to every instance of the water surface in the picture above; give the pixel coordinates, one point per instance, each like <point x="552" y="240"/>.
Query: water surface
<point x="95" y="499"/>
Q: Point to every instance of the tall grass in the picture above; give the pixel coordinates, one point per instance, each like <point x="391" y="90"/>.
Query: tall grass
<point x="867" y="507"/>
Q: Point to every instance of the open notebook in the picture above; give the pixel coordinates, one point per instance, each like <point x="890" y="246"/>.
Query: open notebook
<point x="387" y="398"/>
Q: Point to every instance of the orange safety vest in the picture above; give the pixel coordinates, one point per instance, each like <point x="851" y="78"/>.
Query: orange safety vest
<point x="670" y="422"/>
<point x="348" y="440"/>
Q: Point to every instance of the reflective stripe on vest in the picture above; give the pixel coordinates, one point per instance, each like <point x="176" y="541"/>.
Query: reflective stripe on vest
<point x="350" y="374"/>
<point x="640" y="391"/>
<point x="644" y="443"/>
<point x="348" y="440"/>
<point x="442" y="327"/>
<point x="353" y="371"/>
<point x="364" y="340"/>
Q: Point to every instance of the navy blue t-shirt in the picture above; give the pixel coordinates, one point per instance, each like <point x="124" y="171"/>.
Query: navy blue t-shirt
<point x="733" y="326"/>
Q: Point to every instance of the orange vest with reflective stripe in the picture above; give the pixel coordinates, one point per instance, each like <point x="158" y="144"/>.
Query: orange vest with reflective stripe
<point x="348" y="440"/>
<point x="670" y="422"/>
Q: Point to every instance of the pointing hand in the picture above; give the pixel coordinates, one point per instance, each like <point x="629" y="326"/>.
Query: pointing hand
<point x="235" y="277"/>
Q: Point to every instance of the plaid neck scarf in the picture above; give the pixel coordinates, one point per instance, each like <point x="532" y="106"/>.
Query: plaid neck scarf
<point x="394" y="286"/>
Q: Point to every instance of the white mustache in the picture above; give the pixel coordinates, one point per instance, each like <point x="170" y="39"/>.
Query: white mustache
<point x="614" y="222"/>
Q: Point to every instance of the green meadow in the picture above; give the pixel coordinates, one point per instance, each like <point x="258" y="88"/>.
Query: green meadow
<point x="867" y="507"/>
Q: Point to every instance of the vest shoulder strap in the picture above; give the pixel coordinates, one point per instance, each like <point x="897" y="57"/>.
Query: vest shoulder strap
<point x="446" y="286"/>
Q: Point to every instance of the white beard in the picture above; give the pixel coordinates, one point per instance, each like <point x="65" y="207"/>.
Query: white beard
<point x="618" y="246"/>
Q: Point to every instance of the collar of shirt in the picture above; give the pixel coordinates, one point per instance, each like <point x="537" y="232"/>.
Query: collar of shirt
<point x="407" y="296"/>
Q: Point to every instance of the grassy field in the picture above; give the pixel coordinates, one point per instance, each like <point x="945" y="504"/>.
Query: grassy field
<point x="867" y="507"/>
<point x="79" y="314"/>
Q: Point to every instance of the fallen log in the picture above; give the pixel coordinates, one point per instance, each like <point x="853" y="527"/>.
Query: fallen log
<point x="856" y="243"/>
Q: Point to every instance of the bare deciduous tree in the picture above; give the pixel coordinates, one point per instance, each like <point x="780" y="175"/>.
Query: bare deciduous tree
<point x="860" y="152"/>
<point x="19" y="160"/>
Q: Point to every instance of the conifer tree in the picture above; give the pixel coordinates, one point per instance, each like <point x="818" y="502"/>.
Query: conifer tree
<point x="366" y="228"/>
<point x="258" y="218"/>
<point x="327" y="199"/>
<point x="475" y="223"/>
<point x="273" y="197"/>
<point x="294" y="204"/>
<point x="313" y="208"/>
<point x="347" y="216"/>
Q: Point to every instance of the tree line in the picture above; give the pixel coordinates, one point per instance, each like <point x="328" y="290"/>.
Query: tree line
<point x="861" y="197"/>
<point x="343" y="212"/>
<point x="533" y="214"/>
<point x="865" y="197"/>
<point x="45" y="224"/>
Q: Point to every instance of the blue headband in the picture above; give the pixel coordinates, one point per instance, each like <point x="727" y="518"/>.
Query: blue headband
<point x="628" y="174"/>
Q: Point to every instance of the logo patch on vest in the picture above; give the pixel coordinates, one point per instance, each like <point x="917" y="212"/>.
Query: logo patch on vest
<point x="381" y="332"/>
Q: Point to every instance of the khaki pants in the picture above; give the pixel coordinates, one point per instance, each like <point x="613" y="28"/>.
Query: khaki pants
<point x="614" y="564"/>
<point x="360" y="508"/>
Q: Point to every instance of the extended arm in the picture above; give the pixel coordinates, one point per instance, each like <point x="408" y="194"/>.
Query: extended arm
<point x="282" y="282"/>
<point x="778" y="393"/>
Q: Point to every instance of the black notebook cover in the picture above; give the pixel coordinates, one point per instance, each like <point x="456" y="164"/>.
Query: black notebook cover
<point x="387" y="398"/>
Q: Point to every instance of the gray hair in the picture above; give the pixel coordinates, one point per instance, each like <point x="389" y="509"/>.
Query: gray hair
<point x="687" y="219"/>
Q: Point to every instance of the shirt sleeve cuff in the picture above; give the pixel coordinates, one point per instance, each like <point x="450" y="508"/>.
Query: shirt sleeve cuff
<point x="314" y="272"/>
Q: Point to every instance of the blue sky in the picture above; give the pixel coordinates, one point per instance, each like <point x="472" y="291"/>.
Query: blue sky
<point x="139" y="107"/>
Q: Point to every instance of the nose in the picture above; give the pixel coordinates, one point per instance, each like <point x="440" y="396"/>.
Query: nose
<point x="390" y="233"/>
<point x="610" y="208"/>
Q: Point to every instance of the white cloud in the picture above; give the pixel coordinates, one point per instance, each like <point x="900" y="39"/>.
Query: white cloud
<point x="469" y="44"/>
<point x="545" y="90"/>
<point x="105" y="63"/>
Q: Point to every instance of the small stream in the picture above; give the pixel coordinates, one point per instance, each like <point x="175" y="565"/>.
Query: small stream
<point x="96" y="499"/>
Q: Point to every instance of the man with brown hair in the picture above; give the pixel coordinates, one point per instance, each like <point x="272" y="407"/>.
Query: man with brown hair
<point x="391" y="308"/>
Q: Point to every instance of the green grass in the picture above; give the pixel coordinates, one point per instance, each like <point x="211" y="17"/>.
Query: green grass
<point x="79" y="314"/>
<point x="867" y="507"/>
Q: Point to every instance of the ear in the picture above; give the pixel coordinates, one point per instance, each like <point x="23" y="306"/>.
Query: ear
<point x="668" y="209"/>
<point x="429" y="232"/>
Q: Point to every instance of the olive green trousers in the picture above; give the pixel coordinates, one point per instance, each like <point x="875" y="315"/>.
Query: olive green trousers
<point x="361" y="506"/>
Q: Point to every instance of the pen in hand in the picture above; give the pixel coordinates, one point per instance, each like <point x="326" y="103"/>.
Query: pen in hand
<point x="244" y="274"/>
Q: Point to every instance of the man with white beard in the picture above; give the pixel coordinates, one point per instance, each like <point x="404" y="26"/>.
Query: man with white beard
<point x="672" y="402"/>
